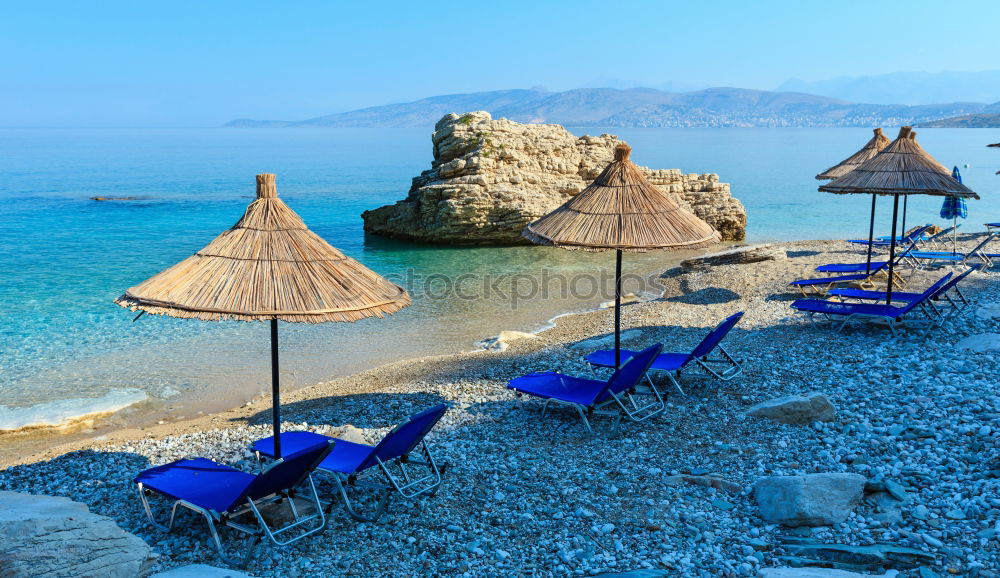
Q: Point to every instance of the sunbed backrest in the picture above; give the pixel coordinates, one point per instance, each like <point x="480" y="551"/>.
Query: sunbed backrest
<point x="980" y="246"/>
<point x="630" y="373"/>
<point x="405" y="436"/>
<point x="958" y="278"/>
<point x="717" y="335"/>
<point x="287" y="472"/>
<point x="926" y="294"/>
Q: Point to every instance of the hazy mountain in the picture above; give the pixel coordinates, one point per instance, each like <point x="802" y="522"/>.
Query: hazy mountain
<point x="985" y="120"/>
<point x="906" y="87"/>
<point x="640" y="107"/>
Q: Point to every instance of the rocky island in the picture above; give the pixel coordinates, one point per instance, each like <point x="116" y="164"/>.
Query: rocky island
<point x="491" y="177"/>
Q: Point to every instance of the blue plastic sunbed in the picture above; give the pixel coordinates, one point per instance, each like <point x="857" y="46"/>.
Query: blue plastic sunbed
<point x="958" y="303"/>
<point x="949" y="257"/>
<point x="891" y="315"/>
<point x="226" y="496"/>
<point x="357" y="466"/>
<point x="848" y="268"/>
<point x="620" y="395"/>
<point x="823" y="284"/>
<point x="673" y="363"/>
<point x="915" y="235"/>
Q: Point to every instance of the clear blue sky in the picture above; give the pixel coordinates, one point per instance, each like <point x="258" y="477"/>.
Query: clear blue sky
<point x="201" y="63"/>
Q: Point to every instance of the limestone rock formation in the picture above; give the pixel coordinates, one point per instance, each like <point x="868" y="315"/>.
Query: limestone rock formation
<point x="490" y="178"/>
<point x="51" y="536"/>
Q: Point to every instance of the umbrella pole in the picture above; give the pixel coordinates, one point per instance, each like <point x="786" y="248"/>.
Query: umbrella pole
<point x="275" y="392"/>
<point x="871" y="238"/>
<point x="892" y="248"/>
<point x="903" y="228"/>
<point x="618" y="308"/>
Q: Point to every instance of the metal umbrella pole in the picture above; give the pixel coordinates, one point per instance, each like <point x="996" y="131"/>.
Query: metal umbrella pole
<point x="892" y="248"/>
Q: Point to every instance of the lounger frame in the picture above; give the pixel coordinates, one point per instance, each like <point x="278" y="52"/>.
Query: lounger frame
<point x="254" y="534"/>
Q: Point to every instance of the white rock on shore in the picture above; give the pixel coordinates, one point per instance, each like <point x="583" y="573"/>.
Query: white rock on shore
<point x="52" y="536"/>
<point x="796" y="409"/>
<point x="809" y="500"/>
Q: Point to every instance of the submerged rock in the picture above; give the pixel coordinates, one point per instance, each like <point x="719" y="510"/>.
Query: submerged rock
<point x="796" y="409"/>
<point x="53" y="536"/>
<point x="490" y="178"/>
<point x="809" y="500"/>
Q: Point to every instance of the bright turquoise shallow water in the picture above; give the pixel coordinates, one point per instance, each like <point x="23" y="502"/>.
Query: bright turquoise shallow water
<point x="64" y="258"/>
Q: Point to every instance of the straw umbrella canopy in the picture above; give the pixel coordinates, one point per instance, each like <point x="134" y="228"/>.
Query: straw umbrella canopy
<point x="269" y="266"/>
<point x="901" y="169"/>
<point x="874" y="146"/>
<point x="878" y="142"/>
<point x="622" y="211"/>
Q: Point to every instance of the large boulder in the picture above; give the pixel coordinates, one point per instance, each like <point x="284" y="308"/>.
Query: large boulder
<point x="490" y="178"/>
<point x="50" y="536"/>
<point x="809" y="500"/>
<point x="796" y="409"/>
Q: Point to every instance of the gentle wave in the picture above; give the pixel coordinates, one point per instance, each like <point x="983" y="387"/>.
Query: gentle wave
<point x="67" y="412"/>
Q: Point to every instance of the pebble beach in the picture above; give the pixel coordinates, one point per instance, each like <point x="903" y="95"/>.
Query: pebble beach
<point x="916" y="416"/>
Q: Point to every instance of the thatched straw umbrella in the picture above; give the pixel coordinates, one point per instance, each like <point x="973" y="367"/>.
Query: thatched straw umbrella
<point x="268" y="266"/>
<point x="901" y="169"/>
<point x="878" y="142"/>
<point x="620" y="210"/>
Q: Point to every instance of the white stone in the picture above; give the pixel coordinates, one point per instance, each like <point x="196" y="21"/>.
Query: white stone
<point x="53" y="536"/>
<point x="808" y="500"/>
<point x="988" y="311"/>
<point x="796" y="409"/>
<point x="980" y="343"/>
<point x="201" y="571"/>
<point x="817" y="573"/>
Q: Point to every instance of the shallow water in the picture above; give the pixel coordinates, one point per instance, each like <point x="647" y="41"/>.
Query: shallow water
<point x="64" y="258"/>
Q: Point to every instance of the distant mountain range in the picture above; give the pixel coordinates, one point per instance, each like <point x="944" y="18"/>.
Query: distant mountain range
<point x="642" y="107"/>
<point x="967" y="121"/>
<point x="906" y="87"/>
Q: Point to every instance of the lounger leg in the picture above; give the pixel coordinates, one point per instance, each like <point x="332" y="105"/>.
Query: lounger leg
<point x="676" y="383"/>
<point x="149" y="512"/>
<point x="352" y="512"/>
<point x="583" y="416"/>
<point x="254" y="538"/>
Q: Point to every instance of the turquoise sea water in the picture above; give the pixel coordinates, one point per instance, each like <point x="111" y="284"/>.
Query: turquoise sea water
<point x="64" y="258"/>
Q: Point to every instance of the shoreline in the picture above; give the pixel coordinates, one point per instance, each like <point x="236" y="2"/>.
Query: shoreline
<point x="154" y="415"/>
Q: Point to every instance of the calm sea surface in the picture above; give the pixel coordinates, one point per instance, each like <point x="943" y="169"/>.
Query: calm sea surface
<point x="67" y="348"/>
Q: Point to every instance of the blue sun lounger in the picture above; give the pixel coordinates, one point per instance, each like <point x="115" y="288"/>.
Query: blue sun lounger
<point x="822" y="285"/>
<point x="958" y="303"/>
<point x="848" y="268"/>
<point x="621" y="395"/>
<point x="358" y="466"/>
<point x="673" y="363"/>
<point x="917" y="235"/>
<point x="229" y="497"/>
<point x="890" y="315"/>
<point x="977" y="252"/>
